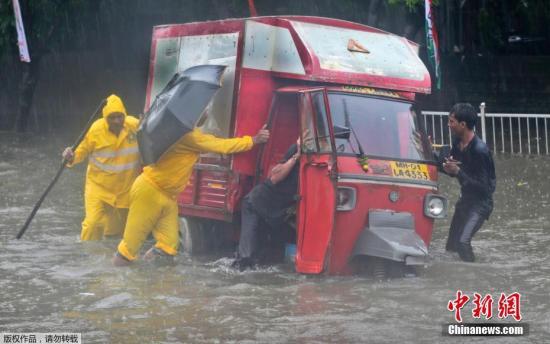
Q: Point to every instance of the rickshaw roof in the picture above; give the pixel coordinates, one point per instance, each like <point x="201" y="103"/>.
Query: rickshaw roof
<point x="349" y="89"/>
<point x="319" y="49"/>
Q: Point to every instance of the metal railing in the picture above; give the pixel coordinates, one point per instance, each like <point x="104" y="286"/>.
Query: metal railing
<point x="503" y="132"/>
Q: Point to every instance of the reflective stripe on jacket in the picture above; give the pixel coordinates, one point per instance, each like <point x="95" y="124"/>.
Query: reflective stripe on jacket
<point x="113" y="161"/>
<point x="173" y="170"/>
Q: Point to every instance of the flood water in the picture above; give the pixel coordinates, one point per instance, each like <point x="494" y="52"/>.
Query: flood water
<point x="52" y="282"/>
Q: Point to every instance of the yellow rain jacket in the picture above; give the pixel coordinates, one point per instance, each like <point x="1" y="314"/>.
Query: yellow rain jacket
<point x="153" y="205"/>
<point x="173" y="170"/>
<point x="113" y="161"/>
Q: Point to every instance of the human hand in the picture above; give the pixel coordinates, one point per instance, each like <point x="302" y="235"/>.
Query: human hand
<point x="298" y="148"/>
<point x="68" y="155"/>
<point x="262" y="136"/>
<point x="294" y="158"/>
<point x="451" y="166"/>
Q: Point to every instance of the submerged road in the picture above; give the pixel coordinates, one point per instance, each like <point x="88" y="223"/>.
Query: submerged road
<point x="51" y="282"/>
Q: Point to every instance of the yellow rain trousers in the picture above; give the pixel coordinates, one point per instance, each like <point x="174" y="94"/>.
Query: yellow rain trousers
<point x="153" y="206"/>
<point x="113" y="165"/>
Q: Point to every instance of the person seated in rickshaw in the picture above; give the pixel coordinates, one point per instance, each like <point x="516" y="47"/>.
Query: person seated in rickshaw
<point x="267" y="202"/>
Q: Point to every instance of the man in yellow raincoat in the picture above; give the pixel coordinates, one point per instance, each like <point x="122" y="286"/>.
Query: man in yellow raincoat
<point x="153" y="206"/>
<point x="113" y="164"/>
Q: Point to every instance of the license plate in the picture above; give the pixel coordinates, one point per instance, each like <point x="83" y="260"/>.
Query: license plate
<point x="409" y="170"/>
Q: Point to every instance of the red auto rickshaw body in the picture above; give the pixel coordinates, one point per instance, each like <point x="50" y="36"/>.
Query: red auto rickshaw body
<point x="312" y="77"/>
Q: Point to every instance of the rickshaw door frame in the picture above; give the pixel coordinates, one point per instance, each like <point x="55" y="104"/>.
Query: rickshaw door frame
<point x="317" y="186"/>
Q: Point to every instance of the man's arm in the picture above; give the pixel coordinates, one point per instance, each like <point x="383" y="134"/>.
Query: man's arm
<point x="281" y="171"/>
<point x="210" y="143"/>
<point x="82" y="151"/>
<point x="440" y="155"/>
<point x="483" y="182"/>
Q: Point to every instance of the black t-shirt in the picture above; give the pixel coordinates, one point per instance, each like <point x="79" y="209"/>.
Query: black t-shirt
<point x="270" y="199"/>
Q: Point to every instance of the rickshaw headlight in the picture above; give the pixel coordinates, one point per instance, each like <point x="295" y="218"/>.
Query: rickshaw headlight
<point x="435" y="206"/>
<point x="394" y="196"/>
<point x="345" y="198"/>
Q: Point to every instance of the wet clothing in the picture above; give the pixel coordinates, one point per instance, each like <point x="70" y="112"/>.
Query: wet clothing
<point x="153" y="206"/>
<point x="267" y="202"/>
<point x="113" y="165"/>
<point x="465" y="223"/>
<point x="101" y="219"/>
<point x="151" y="210"/>
<point x="171" y="173"/>
<point x="477" y="175"/>
<point x="268" y="198"/>
<point x="477" y="184"/>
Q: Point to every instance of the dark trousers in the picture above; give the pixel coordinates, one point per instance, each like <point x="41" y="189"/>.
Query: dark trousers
<point x="464" y="225"/>
<point x="251" y="221"/>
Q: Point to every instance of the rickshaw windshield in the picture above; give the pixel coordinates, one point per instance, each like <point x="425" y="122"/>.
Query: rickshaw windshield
<point x="386" y="128"/>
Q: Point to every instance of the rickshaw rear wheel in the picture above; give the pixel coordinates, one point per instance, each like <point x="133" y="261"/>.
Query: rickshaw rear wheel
<point x="192" y="235"/>
<point x="199" y="236"/>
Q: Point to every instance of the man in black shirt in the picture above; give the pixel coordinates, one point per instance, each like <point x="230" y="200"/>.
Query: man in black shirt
<point x="471" y="162"/>
<point x="267" y="202"/>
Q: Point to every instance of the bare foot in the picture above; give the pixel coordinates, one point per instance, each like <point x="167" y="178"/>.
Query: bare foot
<point x="119" y="260"/>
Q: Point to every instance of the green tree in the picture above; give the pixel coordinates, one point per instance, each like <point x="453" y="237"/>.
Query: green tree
<point x="412" y="4"/>
<point x="47" y="24"/>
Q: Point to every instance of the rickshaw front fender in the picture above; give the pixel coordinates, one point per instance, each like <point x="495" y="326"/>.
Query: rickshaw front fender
<point x="391" y="235"/>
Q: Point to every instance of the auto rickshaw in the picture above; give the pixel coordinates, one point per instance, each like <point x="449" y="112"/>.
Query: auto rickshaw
<point x="368" y="182"/>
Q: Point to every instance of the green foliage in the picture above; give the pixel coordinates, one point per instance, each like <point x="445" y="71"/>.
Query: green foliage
<point x="46" y="22"/>
<point x="535" y="12"/>
<point x="7" y="26"/>
<point x="412" y="4"/>
<point x="490" y="30"/>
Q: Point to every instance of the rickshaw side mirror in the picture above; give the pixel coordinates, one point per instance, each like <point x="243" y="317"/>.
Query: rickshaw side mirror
<point x="341" y="132"/>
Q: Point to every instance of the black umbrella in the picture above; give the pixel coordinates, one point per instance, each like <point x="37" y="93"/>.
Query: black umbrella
<point x="176" y="109"/>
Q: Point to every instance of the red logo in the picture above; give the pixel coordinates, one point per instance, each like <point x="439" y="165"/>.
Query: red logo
<point x="457" y="304"/>
<point x="483" y="306"/>
<point x="507" y="305"/>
